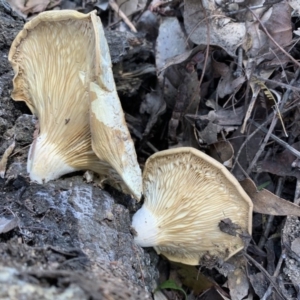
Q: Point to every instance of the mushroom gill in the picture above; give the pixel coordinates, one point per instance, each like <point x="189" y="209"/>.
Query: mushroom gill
<point x="57" y="57"/>
<point x="187" y="195"/>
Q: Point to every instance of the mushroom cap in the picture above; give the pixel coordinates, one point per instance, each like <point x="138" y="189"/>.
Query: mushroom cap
<point x="108" y="123"/>
<point x="57" y="58"/>
<point x="187" y="195"/>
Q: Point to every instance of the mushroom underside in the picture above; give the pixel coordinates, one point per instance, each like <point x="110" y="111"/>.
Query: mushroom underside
<point x="186" y="198"/>
<point x="56" y="76"/>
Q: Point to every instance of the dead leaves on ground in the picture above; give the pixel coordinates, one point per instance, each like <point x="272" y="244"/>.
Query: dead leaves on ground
<point x="265" y="202"/>
<point x="25" y="8"/>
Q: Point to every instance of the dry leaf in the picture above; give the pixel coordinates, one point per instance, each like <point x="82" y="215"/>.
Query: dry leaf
<point x="154" y="105"/>
<point x="3" y="161"/>
<point x="180" y="58"/>
<point x="192" y="278"/>
<point x="238" y="284"/>
<point x="24" y="8"/>
<point x="187" y="102"/>
<point x="18" y="6"/>
<point x="255" y="91"/>
<point x="171" y="41"/>
<point x="208" y="126"/>
<point x="229" y="84"/>
<point x="281" y="164"/>
<point x="35" y="6"/>
<point x="297" y="32"/>
<point x="223" y="32"/>
<point x="265" y="202"/>
<point x="256" y="39"/>
<point x="127" y="7"/>
<point x="225" y="117"/>
<point x="213" y="293"/>
<point x="222" y="152"/>
<point x="277" y="21"/>
<point x="8" y="224"/>
<point x="220" y="68"/>
<point x="279" y="25"/>
<point x="295" y="4"/>
<point x="259" y="283"/>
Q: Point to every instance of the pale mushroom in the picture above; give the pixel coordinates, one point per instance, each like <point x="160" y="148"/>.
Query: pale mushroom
<point x="187" y="195"/>
<point x="63" y="72"/>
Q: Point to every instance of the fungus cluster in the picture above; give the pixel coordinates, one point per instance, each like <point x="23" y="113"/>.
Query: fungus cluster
<point x="187" y="195"/>
<point x="63" y="72"/>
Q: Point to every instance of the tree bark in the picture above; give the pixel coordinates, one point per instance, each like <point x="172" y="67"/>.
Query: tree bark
<point x="68" y="237"/>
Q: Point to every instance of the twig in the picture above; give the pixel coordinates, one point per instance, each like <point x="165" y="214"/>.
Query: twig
<point x="284" y="244"/>
<point x="269" y="119"/>
<point x="249" y="137"/>
<point x="282" y="67"/>
<point x="205" y="61"/>
<point x="207" y="44"/>
<point x="244" y="9"/>
<point x="21" y="149"/>
<point x="239" y="69"/>
<point x="263" y="144"/>
<point x="267" y="230"/>
<point x="154" y="149"/>
<point x="276" y="108"/>
<point x="276" y="273"/>
<point x="250" y="106"/>
<point x="117" y="9"/>
<point x="284" y="85"/>
<point x="261" y="127"/>
<point x="263" y="270"/>
<point x="118" y="21"/>
<point x="271" y="38"/>
<point x="277" y="140"/>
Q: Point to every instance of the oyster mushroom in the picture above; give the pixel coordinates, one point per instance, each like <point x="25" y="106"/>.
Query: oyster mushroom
<point x="187" y="195"/>
<point x="63" y="72"/>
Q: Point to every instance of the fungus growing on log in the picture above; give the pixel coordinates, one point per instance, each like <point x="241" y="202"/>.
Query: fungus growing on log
<point x="63" y="72"/>
<point x="187" y="195"/>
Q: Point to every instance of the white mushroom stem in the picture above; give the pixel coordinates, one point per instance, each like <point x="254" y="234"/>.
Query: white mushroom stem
<point x="45" y="162"/>
<point x="146" y="227"/>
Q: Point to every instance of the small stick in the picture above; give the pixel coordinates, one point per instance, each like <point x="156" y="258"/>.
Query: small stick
<point x="117" y="9"/>
<point x="245" y="9"/>
<point x="250" y="136"/>
<point x="239" y="69"/>
<point x="284" y="85"/>
<point x="276" y="273"/>
<point x="154" y="149"/>
<point x="262" y="128"/>
<point x="117" y="22"/>
<point x="269" y="119"/>
<point x="284" y="251"/>
<point x="277" y="140"/>
<point x="263" y="144"/>
<point x="263" y="270"/>
<point x="267" y="230"/>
